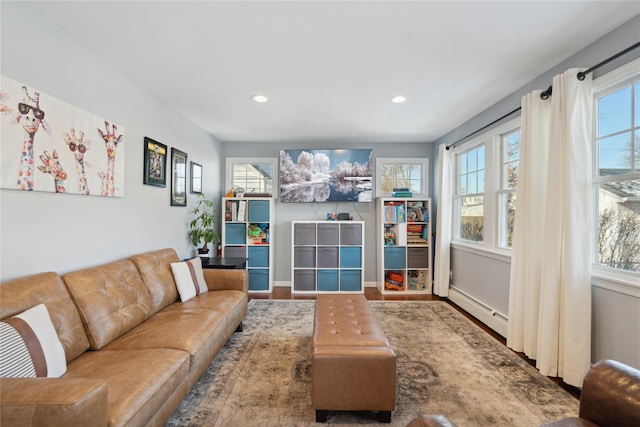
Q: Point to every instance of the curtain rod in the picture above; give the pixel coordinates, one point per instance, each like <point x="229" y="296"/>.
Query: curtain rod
<point x="484" y="127"/>
<point x="547" y="93"/>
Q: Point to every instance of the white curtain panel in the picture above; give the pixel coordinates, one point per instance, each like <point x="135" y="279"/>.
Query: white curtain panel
<point x="443" y="229"/>
<point x="550" y="287"/>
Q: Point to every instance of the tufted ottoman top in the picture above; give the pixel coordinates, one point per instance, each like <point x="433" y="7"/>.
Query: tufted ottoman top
<point x="346" y="320"/>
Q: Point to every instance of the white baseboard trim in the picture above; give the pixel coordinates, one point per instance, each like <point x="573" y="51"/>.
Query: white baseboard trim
<point x="487" y="315"/>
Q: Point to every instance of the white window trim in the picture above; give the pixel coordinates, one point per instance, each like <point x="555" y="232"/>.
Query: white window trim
<point x="230" y="161"/>
<point x="422" y="161"/>
<point x="491" y="239"/>
<point x="625" y="282"/>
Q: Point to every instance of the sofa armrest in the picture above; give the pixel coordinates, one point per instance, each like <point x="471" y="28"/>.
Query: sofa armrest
<point x="53" y="402"/>
<point x="611" y="395"/>
<point x="226" y="279"/>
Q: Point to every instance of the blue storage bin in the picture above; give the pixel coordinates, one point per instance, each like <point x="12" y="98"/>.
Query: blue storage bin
<point x="258" y="280"/>
<point x="350" y="280"/>
<point x="327" y="280"/>
<point x="350" y="257"/>
<point x="235" y="234"/>
<point x="395" y="258"/>
<point x="258" y="211"/>
<point x="304" y="280"/>
<point x="258" y="256"/>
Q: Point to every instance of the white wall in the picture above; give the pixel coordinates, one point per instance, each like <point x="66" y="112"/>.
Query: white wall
<point x="53" y="232"/>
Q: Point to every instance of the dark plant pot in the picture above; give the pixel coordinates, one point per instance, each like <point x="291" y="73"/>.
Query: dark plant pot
<point x="204" y="253"/>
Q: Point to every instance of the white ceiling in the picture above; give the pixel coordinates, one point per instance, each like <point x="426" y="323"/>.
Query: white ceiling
<point x="329" y="68"/>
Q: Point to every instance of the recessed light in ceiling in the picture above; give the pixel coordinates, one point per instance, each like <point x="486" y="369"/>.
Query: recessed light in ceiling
<point x="260" y="98"/>
<point x="398" y="99"/>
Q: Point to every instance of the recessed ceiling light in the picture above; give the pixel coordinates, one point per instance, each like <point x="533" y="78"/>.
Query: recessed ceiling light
<point x="260" y="98"/>
<point x="398" y="99"/>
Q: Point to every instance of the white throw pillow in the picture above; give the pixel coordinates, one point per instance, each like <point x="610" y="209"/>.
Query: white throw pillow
<point x="29" y="346"/>
<point x="189" y="278"/>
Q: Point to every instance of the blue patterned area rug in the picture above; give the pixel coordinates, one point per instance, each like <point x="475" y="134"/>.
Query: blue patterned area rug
<point x="446" y="365"/>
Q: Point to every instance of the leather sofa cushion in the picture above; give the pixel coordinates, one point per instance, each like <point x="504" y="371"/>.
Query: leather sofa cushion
<point x="234" y="303"/>
<point x="155" y="269"/>
<point x="193" y="331"/>
<point x="20" y="294"/>
<point x="138" y="381"/>
<point x="53" y="402"/>
<point x="112" y="299"/>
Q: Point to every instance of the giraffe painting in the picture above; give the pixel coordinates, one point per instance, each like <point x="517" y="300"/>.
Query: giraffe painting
<point x="79" y="146"/>
<point x="32" y="159"/>
<point x="111" y="142"/>
<point x="32" y="118"/>
<point x="52" y="166"/>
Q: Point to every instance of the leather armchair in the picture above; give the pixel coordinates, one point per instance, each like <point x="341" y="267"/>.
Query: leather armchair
<point x="610" y="397"/>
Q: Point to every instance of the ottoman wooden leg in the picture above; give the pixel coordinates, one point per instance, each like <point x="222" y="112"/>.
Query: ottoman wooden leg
<point x="385" y="416"/>
<point x="321" y="415"/>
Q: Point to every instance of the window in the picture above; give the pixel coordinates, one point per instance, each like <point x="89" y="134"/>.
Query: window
<point x="469" y="194"/>
<point x="254" y="175"/>
<point x="509" y="158"/>
<point x="486" y="174"/>
<point x="401" y="173"/>
<point x="616" y="148"/>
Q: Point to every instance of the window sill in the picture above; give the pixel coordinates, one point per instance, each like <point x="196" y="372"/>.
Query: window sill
<point x="616" y="281"/>
<point x="504" y="256"/>
<point x="603" y="278"/>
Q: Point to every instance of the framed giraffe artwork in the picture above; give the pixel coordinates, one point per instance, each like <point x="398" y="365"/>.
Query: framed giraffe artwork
<point x="49" y="145"/>
<point x="155" y="163"/>
<point x="178" y="177"/>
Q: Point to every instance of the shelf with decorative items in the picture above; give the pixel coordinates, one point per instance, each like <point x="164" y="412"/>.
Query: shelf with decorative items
<point x="404" y="252"/>
<point x="247" y="232"/>
<point x="327" y="257"/>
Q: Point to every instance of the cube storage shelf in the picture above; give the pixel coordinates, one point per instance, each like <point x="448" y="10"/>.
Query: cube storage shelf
<point x="404" y="245"/>
<point x="327" y="257"/>
<point x="247" y="232"/>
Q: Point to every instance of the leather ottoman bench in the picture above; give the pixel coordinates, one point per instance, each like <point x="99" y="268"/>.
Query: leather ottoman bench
<point x="353" y="367"/>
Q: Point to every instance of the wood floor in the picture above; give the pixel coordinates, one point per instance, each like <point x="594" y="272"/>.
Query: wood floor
<point x="374" y="294"/>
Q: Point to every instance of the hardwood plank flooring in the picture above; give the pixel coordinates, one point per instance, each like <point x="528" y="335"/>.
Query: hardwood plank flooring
<point x="373" y="293"/>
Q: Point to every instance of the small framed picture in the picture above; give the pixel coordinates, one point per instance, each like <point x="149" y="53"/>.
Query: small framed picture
<point x="155" y="163"/>
<point x="178" y="178"/>
<point x="196" y="178"/>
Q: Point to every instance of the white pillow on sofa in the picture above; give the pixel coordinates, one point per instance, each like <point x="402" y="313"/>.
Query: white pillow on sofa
<point x="189" y="278"/>
<point x="30" y="347"/>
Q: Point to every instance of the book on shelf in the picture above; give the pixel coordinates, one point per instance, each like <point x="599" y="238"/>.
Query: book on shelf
<point x="402" y="194"/>
<point x="394" y="213"/>
<point x="242" y="207"/>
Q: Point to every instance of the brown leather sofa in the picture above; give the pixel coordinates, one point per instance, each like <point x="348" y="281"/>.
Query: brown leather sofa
<point x="133" y="350"/>
<point x="610" y="397"/>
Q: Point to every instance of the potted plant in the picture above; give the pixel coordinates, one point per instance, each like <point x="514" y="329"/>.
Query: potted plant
<point x="201" y="227"/>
